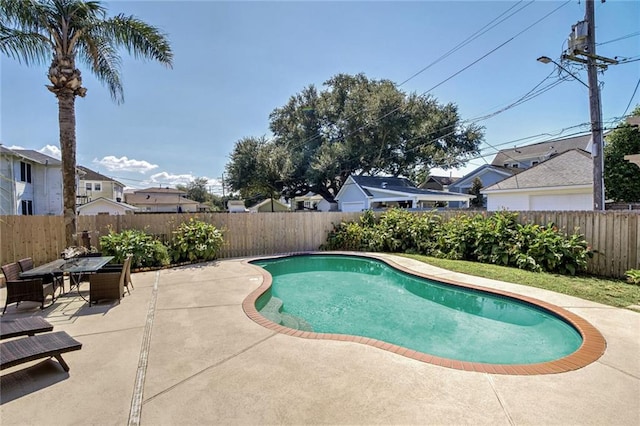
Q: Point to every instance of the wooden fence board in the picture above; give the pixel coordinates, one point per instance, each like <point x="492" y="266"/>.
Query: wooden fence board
<point x="615" y="236"/>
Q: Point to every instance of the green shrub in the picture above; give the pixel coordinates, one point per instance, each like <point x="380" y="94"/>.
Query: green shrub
<point x="195" y="240"/>
<point x="633" y="276"/>
<point x="499" y="239"/>
<point x="146" y="250"/>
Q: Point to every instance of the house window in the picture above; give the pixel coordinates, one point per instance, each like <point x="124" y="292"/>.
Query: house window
<point x="25" y="172"/>
<point x="87" y="186"/>
<point x="97" y="187"/>
<point x="27" y="207"/>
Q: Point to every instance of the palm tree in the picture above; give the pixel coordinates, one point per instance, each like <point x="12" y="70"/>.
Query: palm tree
<point x="63" y="31"/>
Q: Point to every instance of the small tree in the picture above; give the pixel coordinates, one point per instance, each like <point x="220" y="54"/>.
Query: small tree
<point x="478" y="200"/>
<point x="622" y="178"/>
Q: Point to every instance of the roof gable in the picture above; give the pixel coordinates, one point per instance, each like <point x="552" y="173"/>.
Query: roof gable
<point x="102" y="200"/>
<point x="35" y="156"/>
<point x="541" y="150"/>
<point x="485" y="168"/>
<point x="571" y="168"/>
<point x="93" y="175"/>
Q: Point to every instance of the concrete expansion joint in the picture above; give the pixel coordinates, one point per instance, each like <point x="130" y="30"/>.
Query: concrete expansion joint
<point x="626" y="373"/>
<point x="499" y="398"/>
<point x="181" y="308"/>
<point x="210" y="367"/>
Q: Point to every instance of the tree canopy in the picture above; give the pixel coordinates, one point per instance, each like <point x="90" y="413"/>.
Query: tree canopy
<point x="355" y="125"/>
<point x="621" y="177"/>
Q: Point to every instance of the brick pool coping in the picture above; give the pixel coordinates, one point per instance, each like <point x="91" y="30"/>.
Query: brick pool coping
<point x="592" y="348"/>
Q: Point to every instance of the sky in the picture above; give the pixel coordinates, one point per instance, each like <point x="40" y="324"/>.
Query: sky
<point x="236" y="61"/>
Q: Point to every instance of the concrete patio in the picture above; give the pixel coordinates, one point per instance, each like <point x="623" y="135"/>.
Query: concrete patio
<point x="180" y="350"/>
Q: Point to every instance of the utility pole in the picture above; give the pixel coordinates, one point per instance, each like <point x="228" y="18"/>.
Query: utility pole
<point x="582" y="48"/>
<point x="595" y="107"/>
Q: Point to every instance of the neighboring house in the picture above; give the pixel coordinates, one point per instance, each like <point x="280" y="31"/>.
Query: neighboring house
<point x="563" y="182"/>
<point x="268" y="206"/>
<point x="530" y="155"/>
<point x="487" y="174"/>
<point x="236" y="206"/>
<point x="313" y="201"/>
<point x="93" y="185"/>
<point x="165" y="200"/>
<point x="105" y="206"/>
<point x="439" y="183"/>
<point x="30" y="183"/>
<point x="372" y="192"/>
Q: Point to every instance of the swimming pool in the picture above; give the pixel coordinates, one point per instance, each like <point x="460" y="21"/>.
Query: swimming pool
<point x="333" y="296"/>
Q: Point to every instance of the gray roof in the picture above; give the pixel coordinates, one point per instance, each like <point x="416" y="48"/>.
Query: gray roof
<point x="93" y="175"/>
<point x="35" y="156"/>
<point x="394" y="184"/>
<point x="571" y="168"/>
<point x="542" y="150"/>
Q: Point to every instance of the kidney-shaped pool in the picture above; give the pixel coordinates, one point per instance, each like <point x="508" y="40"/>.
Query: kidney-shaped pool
<point x="324" y="295"/>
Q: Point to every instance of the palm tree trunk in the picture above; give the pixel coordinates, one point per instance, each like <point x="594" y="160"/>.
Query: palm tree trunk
<point x="67" y="123"/>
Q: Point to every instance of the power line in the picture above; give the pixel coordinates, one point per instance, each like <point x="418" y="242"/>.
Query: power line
<point x="619" y="38"/>
<point x="316" y="136"/>
<point x="469" y="39"/>
<point x="632" y="96"/>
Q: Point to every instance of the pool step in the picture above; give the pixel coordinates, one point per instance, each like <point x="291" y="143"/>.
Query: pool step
<point x="271" y="311"/>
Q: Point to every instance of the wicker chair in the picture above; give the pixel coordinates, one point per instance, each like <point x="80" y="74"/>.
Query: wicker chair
<point x="25" y="290"/>
<point x="108" y="284"/>
<point x="117" y="268"/>
<point x="57" y="278"/>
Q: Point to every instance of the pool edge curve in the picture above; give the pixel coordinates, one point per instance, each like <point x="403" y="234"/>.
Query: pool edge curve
<point x="592" y="347"/>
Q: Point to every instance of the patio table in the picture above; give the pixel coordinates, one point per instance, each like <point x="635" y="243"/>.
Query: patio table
<point x="75" y="267"/>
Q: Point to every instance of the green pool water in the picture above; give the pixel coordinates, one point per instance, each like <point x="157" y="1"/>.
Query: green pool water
<point x="366" y="297"/>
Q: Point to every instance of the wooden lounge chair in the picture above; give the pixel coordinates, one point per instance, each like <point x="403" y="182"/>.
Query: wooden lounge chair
<point x="23" y="327"/>
<point x="56" y="278"/>
<point x="23" y="290"/>
<point x="31" y="348"/>
<point x="108" y="283"/>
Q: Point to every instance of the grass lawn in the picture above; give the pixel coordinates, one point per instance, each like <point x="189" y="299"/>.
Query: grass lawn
<point x="606" y="291"/>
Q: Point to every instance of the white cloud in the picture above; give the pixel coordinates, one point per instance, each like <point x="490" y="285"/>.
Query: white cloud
<point x="170" y="179"/>
<point x="124" y="164"/>
<point x="16" y="147"/>
<point x="51" y="151"/>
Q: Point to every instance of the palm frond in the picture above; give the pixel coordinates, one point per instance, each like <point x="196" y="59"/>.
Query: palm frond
<point x="25" y="47"/>
<point x="102" y="57"/>
<point x="139" y="38"/>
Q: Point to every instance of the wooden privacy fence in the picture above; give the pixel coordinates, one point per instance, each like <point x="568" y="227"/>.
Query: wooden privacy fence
<point x="613" y="235"/>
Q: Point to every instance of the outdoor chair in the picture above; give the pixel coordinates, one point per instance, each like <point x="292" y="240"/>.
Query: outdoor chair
<point x="57" y="278"/>
<point x="25" y="290"/>
<point x="108" y="284"/>
<point x="117" y="267"/>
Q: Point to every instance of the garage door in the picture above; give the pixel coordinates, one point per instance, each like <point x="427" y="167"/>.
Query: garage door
<point x="352" y="206"/>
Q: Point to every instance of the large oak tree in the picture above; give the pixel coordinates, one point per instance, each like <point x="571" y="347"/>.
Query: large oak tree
<point x="62" y="33"/>
<point x="356" y="125"/>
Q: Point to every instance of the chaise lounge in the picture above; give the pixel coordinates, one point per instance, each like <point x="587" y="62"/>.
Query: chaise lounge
<point x="31" y="348"/>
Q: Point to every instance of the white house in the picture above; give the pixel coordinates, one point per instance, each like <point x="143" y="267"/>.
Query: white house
<point x="105" y="206"/>
<point x="372" y="192"/>
<point x="30" y="183"/>
<point x="563" y="182"/>
<point x="93" y="185"/>
<point x="161" y="200"/>
<point x="313" y="201"/>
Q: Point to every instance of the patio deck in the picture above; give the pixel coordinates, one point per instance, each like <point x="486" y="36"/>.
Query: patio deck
<point x="180" y="350"/>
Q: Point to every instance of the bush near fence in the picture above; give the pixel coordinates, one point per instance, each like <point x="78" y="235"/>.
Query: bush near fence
<point x="613" y="235"/>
